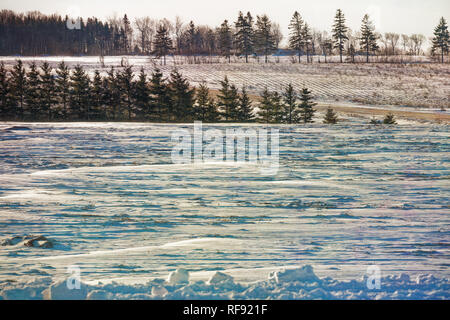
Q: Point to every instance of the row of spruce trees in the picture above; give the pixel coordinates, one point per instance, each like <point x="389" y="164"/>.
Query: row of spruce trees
<point x="41" y="93"/>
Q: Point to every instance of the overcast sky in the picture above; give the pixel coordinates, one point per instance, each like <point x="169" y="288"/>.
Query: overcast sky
<point x="401" y="16"/>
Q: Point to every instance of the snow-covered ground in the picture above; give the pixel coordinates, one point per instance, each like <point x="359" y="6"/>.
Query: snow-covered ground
<point x="106" y="197"/>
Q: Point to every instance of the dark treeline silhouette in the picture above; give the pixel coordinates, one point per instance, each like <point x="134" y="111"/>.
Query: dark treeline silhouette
<point x="34" y="33"/>
<point x="39" y="93"/>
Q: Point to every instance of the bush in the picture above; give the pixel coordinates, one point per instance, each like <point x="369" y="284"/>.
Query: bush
<point x="330" y="117"/>
<point x="389" y="119"/>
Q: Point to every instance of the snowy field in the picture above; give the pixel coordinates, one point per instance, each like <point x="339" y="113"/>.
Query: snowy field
<point x="106" y="197"/>
<point x="412" y="85"/>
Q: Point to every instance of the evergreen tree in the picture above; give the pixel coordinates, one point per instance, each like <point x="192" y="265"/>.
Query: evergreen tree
<point x="33" y="93"/>
<point x="441" y="38"/>
<point x="244" y="34"/>
<point x="163" y="43"/>
<point x="191" y="37"/>
<point x="62" y="87"/>
<point x="127" y="34"/>
<point x="277" y="108"/>
<point x="126" y="88"/>
<point x="18" y="89"/>
<point x="389" y="119"/>
<point x="225" y="40"/>
<point x="266" y="109"/>
<point x="5" y="105"/>
<point x="142" y="96"/>
<point x="112" y="94"/>
<point x="306" y="40"/>
<point x="368" y="40"/>
<point x="48" y="98"/>
<point x="306" y="106"/>
<point x="330" y="117"/>
<point x="290" y="112"/>
<point x="264" y="40"/>
<point x="97" y="97"/>
<point x="212" y="115"/>
<point x="181" y="96"/>
<point x="202" y="102"/>
<point x="339" y="32"/>
<point x="159" y="96"/>
<point x="79" y="94"/>
<point x="228" y="100"/>
<point x="296" y="34"/>
<point x="352" y="52"/>
<point x="245" y="112"/>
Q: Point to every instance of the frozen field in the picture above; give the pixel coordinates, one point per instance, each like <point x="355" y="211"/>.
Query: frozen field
<point x="106" y="197"/>
<point x="417" y="85"/>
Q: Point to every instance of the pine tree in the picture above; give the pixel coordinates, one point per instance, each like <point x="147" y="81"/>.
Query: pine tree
<point x="163" y="43"/>
<point x="265" y="107"/>
<point x="306" y="40"/>
<point x="352" y="52"/>
<point x="97" y="97"/>
<point x="264" y="40"/>
<point x="225" y="40"/>
<point x="290" y="112"/>
<point x="18" y="89"/>
<point x="127" y="34"/>
<point x="389" y="119"/>
<point x="339" y="32"/>
<point x="296" y="34"/>
<point x="330" y="117"/>
<point x="245" y="112"/>
<point x="306" y="106"/>
<point x="212" y="115"/>
<point x="441" y="38"/>
<point x="244" y="34"/>
<point x="126" y="88"/>
<point x="48" y="98"/>
<point x="277" y="108"/>
<point x="112" y="93"/>
<point x="191" y="37"/>
<point x="79" y="94"/>
<point x="5" y="104"/>
<point x="202" y="102"/>
<point x="228" y="100"/>
<point x="62" y="87"/>
<point x="33" y="93"/>
<point x="368" y="40"/>
<point x="142" y="96"/>
<point x="159" y="96"/>
<point x="181" y="96"/>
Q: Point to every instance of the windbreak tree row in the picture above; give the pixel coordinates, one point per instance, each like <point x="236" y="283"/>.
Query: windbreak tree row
<point x="35" y="93"/>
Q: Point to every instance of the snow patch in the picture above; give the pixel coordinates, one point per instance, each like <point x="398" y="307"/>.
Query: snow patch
<point x="178" y="277"/>
<point x="303" y="274"/>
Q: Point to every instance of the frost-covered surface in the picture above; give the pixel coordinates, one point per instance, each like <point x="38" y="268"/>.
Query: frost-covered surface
<point x="286" y="284"/>
<point x="412" y="85"/>
<point x="106" y="197"/>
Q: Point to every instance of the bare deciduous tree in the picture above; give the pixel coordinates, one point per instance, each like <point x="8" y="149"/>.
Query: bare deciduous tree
<point x="146" y="28"/>
<point x="277" y="34"/>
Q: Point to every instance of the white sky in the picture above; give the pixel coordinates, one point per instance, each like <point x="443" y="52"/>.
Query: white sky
<point x="401" y="16"/>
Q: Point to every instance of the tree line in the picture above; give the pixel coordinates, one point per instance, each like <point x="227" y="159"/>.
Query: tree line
<point x="41" y="93"/>
<point x="34" y="33"/>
